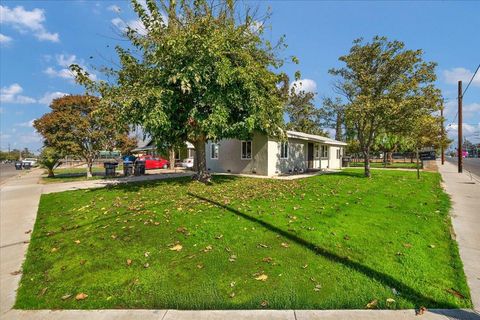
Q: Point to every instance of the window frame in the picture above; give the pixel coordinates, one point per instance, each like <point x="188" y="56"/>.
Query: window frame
<point x="284" y="150"/>
<point x="214" y="148"/>
<point x="324" y="151"/>
<point x="316" y="151"/>
<point x="246" y="147"/>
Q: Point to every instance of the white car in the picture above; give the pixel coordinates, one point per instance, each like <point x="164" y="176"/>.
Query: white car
<point x="187" y="163"/>
<point x="32" y="161"/>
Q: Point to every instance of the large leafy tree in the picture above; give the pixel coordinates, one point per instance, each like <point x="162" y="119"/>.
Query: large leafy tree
<point x="386" y="86"/>
<point x="77" y="126"/>
<point x="201" y="70"/>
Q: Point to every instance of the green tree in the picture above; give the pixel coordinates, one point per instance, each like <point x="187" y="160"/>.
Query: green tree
<point x="302" y="114"/>
<point x="49" y="159"/>
<point x="205" y="74"/>
<point x="333" y="114"/>
<point x="384" y="85"/>
<point x="77" y="126"/>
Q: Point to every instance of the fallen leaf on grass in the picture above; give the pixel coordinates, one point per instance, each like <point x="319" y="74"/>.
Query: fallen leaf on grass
<point x="455" y="293"/>
<point x="262" y="277"/>
<point x="262" y="245"/>
<point x="220" y="236"/>
<point x="207" y="249"/>
<point x="77" y="241"/>
<point x="372" y="304"/>
<point x="232" y="258"/>
<point x="267" y="259"/>
<point x="42" y="292"/>
<point x="232" y="295"/>
<point x="420" y="311"/>
<point x="305" y="266"/>
<point x="390" y="300"/>
<point x="146" y="254"/>
<point x="129" y="262"/>
<point x="407" y="245"/>
<point x="176" y="247"/>
<point x="285" y="245"/>
<point x="432" y="246"/>
<point x="146" y="265"/>
<point x="317" y="287"/>
<point x="82" y="262"/>
<point x="54" y="250"/>
<point x="264" y="303"/>
<point x="200" y="266"/>
<point x="81" y="296"/>
<point x="65" y="297"/>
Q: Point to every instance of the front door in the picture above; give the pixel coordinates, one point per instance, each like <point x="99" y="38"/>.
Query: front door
<point x="310" y="156"/>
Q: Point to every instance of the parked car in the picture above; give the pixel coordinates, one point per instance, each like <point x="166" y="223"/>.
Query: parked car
<point x="187" y="163"/>
<point x="152" y="162"/>
<point x="31" y="161"/>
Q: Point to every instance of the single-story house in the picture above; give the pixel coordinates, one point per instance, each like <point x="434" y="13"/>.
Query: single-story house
<point x="268" y="156"/>
<point x="147" y="147"/>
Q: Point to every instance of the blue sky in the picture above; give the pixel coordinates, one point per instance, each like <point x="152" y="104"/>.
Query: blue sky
<point x="39" y="39"/>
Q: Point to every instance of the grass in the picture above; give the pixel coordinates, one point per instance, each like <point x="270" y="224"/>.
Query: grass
<point x="76" y="174"/>
<point x="335" y="241"/>
<point x="394" y="165"/>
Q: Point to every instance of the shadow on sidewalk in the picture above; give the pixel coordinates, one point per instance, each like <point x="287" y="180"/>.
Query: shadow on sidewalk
<point x="408" y="293"/>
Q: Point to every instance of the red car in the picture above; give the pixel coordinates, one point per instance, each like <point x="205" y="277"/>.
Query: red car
<point x="152" y="162"/>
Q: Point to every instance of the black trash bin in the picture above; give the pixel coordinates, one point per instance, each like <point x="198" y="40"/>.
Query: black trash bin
<point x="127" y="168"/>
<point x="346" y="162"/>
<point x="27" y="165"/>
<point x="139" y="167"/>
<point x="18" y="165"/>
<point x="110" y="168"/>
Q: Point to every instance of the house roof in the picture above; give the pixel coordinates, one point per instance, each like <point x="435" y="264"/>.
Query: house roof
<point x="314" y="137"/>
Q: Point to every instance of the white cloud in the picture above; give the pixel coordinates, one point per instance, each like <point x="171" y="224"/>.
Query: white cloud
<point x="469" y="110"/>
<point x="11" y="94"/>
<point x="114" y="8"/>
<point x="28" y="124"/>
<point x="4" y="39"/>
<point x="49" y="96"/>
<point x="64" y="61"/>
<point x="452" y="76"/>
<point x="27" y="21"/>
<point x="136" y="25"/>
<point x="470" y="131"/>
<point x="306" y="85"/>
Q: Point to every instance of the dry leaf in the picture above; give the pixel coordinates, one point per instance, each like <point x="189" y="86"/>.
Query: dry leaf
<point x="390" y="300"/>
<point x="65" y="297"/>
<point x="267" y="259"/>
<point x="421" y="311"/>
<point x="262" y="245"/>
<point x="43" y="291"/>
<point x="232" y="284"/>
<point x="232" y="258"/>
<point x="317" y="287"/>
<point x="372" y="304"/>
<point x="220" y="236"/>
<point x="146" y="265"/>
<point x="207" y="249"/>
<point x="262" y="277"/>
<point x="231" y="295"/>
<point x="264" y="303"/>
<point x="285" y="245"/>
<point x="54" y="250"/>
<point x="146" y="254"/>
<point x="200" y="266"/>
<point x="455" y="293"/>
<point x="82" y="262"/>
<point x="432" y="246"/>
<point x="407" y="245"/>
<point x="129" y="262"/>
<point x="305" y="266"/>
<point x="14" y="273"/>
<point x="77" y="241"/>
<point x="177" y="247"/>
<point x="81" y="296"/>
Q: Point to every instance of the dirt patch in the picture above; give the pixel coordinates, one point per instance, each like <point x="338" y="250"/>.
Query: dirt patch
<point x="430" y="166"/>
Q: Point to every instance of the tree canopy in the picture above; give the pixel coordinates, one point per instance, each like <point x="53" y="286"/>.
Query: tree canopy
<point x="201" y="71"/>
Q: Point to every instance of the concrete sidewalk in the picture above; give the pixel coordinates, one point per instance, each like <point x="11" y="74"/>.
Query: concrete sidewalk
<point x="464" y="190"/>
<point x="18" y="208"/>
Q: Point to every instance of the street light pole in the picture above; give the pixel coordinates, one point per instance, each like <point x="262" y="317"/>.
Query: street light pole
<point x="460" y="122"/>
<point x="443" y="137"/>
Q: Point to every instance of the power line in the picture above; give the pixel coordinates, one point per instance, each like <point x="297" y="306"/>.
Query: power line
<point x="468" y="85"/>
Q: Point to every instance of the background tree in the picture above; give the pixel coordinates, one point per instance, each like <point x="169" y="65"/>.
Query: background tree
<point x="207" y="74"/>
<point x="302" y="114"/>
<point x="77" y="126"/>
<point x="383" y="84"/>
<point x="49" y="159"/>
<point x="333" y="113"/>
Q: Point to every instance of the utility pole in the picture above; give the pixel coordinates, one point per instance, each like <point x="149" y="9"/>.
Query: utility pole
<point x="442" y="141"/>
<point x="460" y="121"/>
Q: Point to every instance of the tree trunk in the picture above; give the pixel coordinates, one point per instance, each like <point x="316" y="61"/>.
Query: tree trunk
<point x="418" y="168"/>
<point x="202" y="174"/>
<point x="51" y="174"/>
<point x="171" y="153"/>
<point x="89" y="168"/>
<point x="366" y="159"/>
<point x="338" y="126"/>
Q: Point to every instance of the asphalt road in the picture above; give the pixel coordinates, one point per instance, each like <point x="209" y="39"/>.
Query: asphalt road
<point x="470" y="164"/>
<point x="7" y="171"/>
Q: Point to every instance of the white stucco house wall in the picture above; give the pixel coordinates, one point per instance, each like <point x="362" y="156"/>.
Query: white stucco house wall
<point x="267" y="156"/>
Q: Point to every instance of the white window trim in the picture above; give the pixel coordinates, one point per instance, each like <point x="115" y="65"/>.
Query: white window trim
<point x="251" y="150"/>
<point x="212" y="145"/>
<point x="316" y="151"/>
<point x="324" y="146"/>
<point x="287" y="149"/>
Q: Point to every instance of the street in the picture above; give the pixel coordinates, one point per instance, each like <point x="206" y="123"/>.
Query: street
<point x="7" y="170"/>
<point x="470" y="164"/>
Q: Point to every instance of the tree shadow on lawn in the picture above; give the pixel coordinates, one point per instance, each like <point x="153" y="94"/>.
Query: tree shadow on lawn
<point x="408" y="293"/>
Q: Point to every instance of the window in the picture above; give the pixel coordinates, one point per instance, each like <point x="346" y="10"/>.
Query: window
<point x="339" y="153"/>
<point x="191" y="153"/>
<point x="246" y="150"/>
<point x="214" y="151"/>
<point x="316" y="151"/>
<point x="284" y="150"/>
<point x="324" y="151"/>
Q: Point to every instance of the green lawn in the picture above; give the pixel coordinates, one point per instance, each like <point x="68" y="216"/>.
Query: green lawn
<point x="326" y="242"/>
<point x="394" y="165"/>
